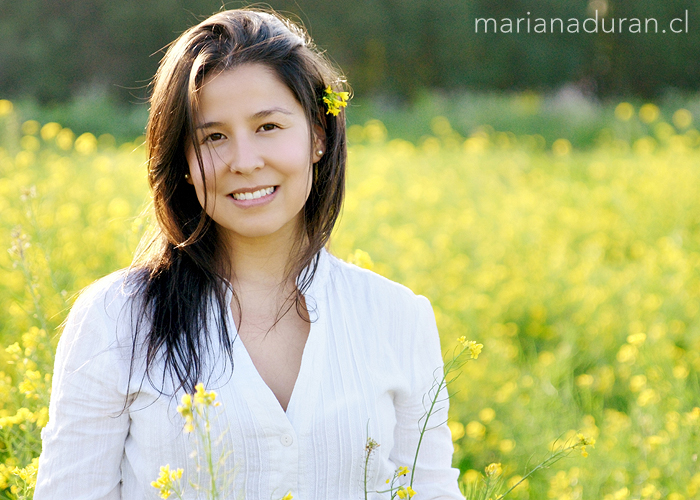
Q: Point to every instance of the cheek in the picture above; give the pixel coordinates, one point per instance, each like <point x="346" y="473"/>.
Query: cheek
<point x="301" y="167"/>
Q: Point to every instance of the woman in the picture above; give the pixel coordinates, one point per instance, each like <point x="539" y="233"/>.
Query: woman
<point x="309" y="356"/>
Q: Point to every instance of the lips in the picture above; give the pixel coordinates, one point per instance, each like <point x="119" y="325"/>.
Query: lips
<point x="242" y="195"/>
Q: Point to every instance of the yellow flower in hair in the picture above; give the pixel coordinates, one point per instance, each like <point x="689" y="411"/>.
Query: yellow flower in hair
<point x="334" y="100"/>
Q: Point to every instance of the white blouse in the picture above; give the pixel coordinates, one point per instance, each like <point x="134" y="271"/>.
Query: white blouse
<point x="371" y="358"/>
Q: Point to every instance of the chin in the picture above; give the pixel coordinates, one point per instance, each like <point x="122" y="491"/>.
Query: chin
<point x="254" y="232"/>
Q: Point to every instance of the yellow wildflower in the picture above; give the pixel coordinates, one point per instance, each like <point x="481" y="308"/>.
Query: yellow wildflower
<point x="405" y="492"/>
<point x="186" y="403"/>
<point x="28" y="474"/>
<point x="584" y="441"/>
<point x="168" y="481"/>
<point x="402" y="471"/>
<point x="204" y="398"/>
<point x="494" y="469"/>
<point x="186" y="411"/>
<point x="288" y="496"/>
<point x="475" y="349"/>
<point x="334" y="100"/>
<point x="361" y="259"/>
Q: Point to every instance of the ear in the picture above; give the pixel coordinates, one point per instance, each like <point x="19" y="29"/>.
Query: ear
<point x="319" y="136"/>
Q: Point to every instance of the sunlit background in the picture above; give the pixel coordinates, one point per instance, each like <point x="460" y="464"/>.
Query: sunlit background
<point x="540" y="188"/>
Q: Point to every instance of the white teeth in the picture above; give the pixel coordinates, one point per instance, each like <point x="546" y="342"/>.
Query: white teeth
<point x="253" y="196"/>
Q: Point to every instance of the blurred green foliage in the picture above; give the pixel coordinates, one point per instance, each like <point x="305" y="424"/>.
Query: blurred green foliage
<point x="52" y="50"/>
<point x="565" y="114"/>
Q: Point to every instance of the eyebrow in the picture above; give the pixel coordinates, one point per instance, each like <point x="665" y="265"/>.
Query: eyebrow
<point x="267" y="112"/>
<point x="260" y="114"/>
<point x="209" y="125"/>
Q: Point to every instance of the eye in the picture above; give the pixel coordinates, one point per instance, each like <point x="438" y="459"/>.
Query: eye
<point x="268" y="126"/>
<point x="216" y="136"/>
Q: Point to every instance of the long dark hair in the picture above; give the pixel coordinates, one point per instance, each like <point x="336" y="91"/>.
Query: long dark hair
<point x="179" y="271"/>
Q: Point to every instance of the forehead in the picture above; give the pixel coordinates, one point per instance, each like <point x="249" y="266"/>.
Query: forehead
<point x="245" y="89"/>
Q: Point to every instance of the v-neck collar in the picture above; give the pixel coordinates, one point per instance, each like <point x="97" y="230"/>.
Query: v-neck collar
<point x="258" y="394"/>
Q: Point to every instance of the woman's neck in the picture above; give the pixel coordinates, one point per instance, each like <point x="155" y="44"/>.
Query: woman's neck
<point x="262" y="262"/>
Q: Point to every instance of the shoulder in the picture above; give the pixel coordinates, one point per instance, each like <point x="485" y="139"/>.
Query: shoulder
<point x="372" y="289"/>
<point x="387" y="321"/>
<point x="103" y="314"/>
<point x="108" y="295"/>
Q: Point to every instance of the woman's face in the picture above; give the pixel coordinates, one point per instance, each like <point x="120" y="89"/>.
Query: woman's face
<point x="256" y="151"/>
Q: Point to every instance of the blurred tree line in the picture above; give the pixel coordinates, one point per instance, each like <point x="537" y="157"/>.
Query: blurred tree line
<point x="53" y="49"/>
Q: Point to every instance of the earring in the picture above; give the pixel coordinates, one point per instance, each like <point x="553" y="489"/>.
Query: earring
<point x="187" y="177"/>
<point x="319" y="152"/>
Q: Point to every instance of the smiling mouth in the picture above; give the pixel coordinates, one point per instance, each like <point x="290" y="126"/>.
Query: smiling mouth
<point x="254" y="195"/>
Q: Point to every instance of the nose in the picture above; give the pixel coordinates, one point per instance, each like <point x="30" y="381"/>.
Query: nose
<point x="246" y="156"/>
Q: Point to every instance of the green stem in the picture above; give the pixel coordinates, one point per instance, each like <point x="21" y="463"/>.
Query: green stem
<point x="425" y="426"/>
<point x="549" y="461"/>
<point x="369" y="452"/>
<point x="44" y="251"/>
<point x="449" y="367"/>
<point x="178" y="491"/>
<point x="29" y="278"/>
<point x="209" y="453"/>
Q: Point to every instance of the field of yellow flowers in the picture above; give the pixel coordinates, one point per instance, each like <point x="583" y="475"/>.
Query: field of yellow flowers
<point x="579" y="271"/>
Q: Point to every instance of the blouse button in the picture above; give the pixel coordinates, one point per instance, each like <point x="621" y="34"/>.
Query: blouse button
<point x="286" y="440"/>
